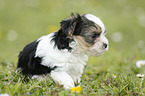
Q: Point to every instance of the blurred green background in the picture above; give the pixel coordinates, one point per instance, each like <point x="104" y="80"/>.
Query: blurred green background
<point x="23" y="21"/>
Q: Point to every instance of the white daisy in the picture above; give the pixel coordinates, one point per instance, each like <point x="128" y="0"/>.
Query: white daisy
<point x="114" y="76"/>
<point x="139" y="63"/>
<point x="4" y="94"/>
<point x="140" y="75"/>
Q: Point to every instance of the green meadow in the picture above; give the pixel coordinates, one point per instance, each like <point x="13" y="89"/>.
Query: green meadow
<point x="112" y="74"/>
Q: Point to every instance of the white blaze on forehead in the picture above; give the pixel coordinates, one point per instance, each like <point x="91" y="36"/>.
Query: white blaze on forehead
<point x="96" y="20"/>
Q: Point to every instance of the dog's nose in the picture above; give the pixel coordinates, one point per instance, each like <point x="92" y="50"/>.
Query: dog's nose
<point x="105" y="45"/>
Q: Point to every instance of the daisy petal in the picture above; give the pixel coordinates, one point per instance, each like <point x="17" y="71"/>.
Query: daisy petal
<point x="139" y="63"/>
<point x="140" y="75"/>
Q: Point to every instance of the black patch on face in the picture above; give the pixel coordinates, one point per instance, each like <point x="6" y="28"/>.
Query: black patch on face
<point x="30" y="64"/>
<point x="88" y="30"/>
<point x="75" y="25"/>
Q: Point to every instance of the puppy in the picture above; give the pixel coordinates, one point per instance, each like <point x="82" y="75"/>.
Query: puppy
<point x="62" y="54"/>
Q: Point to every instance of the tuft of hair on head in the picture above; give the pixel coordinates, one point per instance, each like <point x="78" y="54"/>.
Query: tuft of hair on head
<point x="68" y="25"/>
<point x="75" y="15"/>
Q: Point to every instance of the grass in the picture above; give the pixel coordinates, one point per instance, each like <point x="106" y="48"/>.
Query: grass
<point x="24" y="21"/>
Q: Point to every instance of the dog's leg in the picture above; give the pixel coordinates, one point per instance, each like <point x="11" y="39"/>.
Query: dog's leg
<point x="63" y="79"/>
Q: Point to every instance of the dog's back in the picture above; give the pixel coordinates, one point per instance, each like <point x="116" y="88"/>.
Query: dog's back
<point x="30" y="64"/>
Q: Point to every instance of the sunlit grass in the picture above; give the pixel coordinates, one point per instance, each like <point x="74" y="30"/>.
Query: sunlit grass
<point x="93" y="82"/>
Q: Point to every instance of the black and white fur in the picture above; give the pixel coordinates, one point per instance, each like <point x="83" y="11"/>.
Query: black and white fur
<point x="63" y="54"/>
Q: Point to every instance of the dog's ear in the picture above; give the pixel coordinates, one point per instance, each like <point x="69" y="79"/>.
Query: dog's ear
<point x="68" y="25"/>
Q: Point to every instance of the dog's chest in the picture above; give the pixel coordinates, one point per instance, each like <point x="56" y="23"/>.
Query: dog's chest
<point x="71" y="62"/>
<point x="76" y="63"/>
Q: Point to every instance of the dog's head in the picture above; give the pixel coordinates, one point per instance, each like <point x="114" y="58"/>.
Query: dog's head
<point x="88" y="31"/>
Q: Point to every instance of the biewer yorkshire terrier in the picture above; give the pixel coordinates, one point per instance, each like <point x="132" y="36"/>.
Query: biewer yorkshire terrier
<point x="63" y="54"/>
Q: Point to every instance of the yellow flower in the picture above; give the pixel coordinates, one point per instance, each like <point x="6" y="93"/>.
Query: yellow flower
<point x="76" y="89"/>
<point x="114" y="76"/>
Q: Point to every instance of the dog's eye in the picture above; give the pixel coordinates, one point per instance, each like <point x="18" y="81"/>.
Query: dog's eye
<point x="95" y="35"/>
